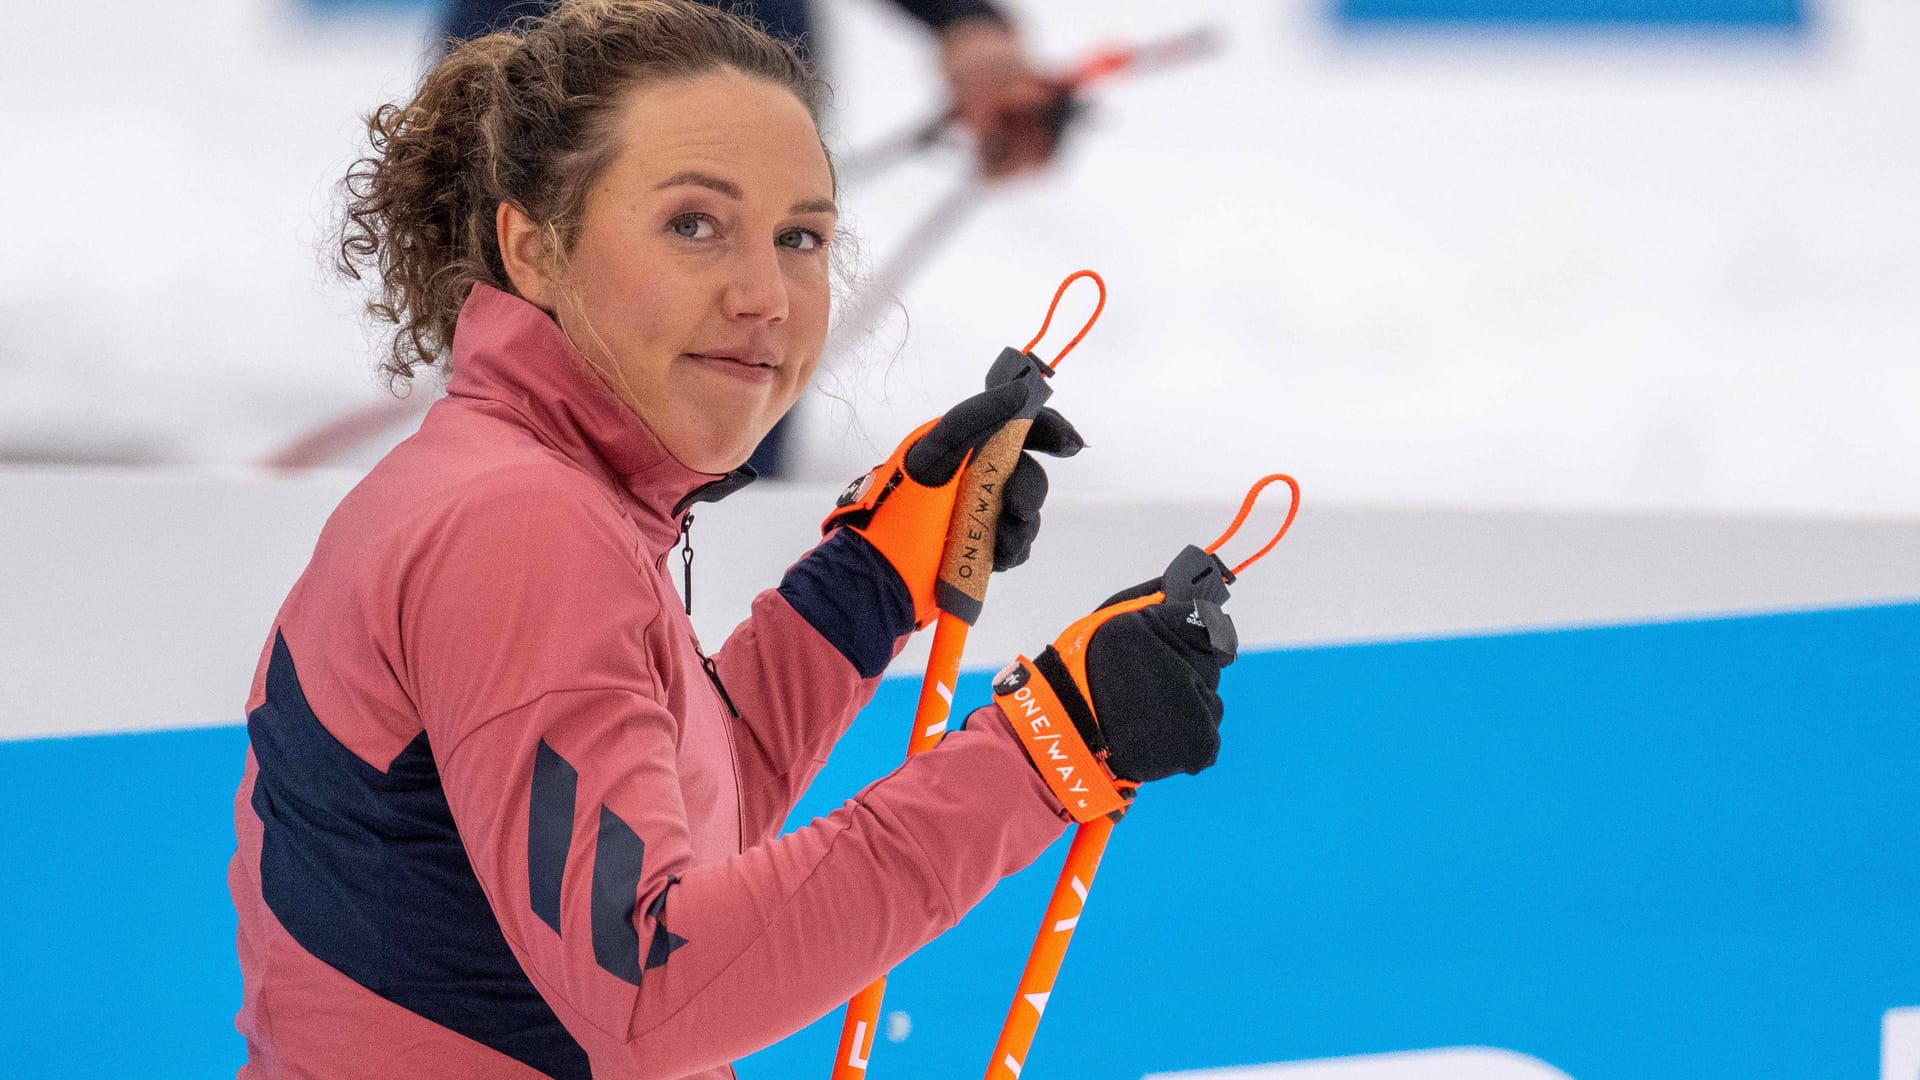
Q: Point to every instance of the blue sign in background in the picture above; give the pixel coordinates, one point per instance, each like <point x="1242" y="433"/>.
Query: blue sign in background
<point x="1635" y="853"/>
<point x="1724" y="14"/>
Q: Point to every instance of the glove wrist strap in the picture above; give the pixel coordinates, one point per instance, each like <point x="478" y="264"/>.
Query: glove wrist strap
<point x="1050" y="666"/>
<point x="1050" y="736"/>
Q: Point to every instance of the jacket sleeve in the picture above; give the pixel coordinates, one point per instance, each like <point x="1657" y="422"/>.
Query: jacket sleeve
<point x="804" y="662"/>
<point x="523" y="641"/>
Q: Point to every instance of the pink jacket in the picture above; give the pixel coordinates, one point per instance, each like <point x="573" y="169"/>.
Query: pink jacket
<point x="496" y="819"/>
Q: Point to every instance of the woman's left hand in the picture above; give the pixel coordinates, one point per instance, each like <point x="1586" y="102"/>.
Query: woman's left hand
<point x="903" y="506"/>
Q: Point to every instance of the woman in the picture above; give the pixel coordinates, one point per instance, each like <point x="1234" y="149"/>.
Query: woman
<point x="500" y="816"/>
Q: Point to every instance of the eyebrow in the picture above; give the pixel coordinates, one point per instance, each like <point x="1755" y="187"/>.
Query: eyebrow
<point x="732" y="191"/>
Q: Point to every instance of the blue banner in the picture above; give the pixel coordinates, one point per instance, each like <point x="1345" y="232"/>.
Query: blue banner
<point x="1753" y="14"/>
<point x="1636" y="853"/>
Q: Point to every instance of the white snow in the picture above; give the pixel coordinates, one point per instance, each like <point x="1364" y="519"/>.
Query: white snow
<point x="1629" y="272"/>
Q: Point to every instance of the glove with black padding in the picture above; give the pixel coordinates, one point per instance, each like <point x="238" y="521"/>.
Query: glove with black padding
<point x="903" y="507"/>
<point x="1129" y="694"/>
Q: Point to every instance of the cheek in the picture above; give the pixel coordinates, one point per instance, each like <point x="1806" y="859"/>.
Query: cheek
<point x="644" y="308"/>
<point x="811" y="307"/>
<point x="811" y="297"/>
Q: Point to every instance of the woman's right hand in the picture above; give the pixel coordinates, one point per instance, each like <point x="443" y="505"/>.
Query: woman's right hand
<point x="904" y="505"/>
<point x="1130" y="693"/>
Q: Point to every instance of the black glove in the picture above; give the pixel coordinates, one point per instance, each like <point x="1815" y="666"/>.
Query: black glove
<point x="903" y="506"/>
<point x="935" y="457"/>
<point x="1138" y="680"/>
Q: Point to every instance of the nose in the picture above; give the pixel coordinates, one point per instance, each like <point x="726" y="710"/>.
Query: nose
<point x="757" y="288"/>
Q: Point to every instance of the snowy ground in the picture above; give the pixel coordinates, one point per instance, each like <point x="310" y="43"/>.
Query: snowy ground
<point x="1518" y="270"/>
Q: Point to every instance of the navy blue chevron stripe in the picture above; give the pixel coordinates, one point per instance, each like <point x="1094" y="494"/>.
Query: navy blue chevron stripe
<point x="355" y="858"/>
<point x="664" y="941"/>
<point x="549" y="831"/>
<point x="616" y="882"/>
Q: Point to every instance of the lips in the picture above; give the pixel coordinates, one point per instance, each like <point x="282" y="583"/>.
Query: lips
<point x="752" y="358"/>
<point x="753" y="367"/>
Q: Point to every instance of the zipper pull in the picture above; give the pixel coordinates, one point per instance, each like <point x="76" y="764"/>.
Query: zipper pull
<point x="713" y="674"/>
<point x="686" y="566"/>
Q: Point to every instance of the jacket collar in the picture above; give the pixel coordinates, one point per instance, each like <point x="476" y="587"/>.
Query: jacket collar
<point x="508" y="352"/>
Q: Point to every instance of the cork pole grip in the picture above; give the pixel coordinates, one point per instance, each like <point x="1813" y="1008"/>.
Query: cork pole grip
<point x="967" y="561"/>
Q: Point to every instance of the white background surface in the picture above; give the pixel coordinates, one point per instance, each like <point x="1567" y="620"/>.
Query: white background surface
<point x="1521" y="270"/>
<point x="1900" y="1044"/>
<point x="1454" y="1063"/>
<point x="141" y="598"/>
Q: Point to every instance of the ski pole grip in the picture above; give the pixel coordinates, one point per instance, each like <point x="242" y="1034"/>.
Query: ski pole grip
<point x="966" y="562"/>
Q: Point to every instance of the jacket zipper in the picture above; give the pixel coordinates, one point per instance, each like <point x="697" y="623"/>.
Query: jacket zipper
<point x="713" y="675"/>
<point x="686" y="561"/>
<point x="686" y="587"/>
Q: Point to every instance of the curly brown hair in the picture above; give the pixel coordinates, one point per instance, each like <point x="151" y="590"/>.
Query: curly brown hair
<point x="527" y="116"/>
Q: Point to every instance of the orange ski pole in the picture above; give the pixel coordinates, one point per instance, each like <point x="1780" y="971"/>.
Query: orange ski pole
<point x="871" y="303"/>
<point x="1094" y="67"/>
<point x="965" y="565"/>
<point x="1049" y="950"/>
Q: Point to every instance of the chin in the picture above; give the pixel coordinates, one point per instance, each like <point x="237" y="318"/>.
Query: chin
<point x="717" y="434"/>
<point x="712" y="452"/>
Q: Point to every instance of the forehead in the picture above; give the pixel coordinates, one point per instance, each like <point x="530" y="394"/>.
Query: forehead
<point x="748" y="130"/>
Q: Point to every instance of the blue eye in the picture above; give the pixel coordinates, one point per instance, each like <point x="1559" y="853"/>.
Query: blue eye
<point x="802" y="239"/>
<point x="693" y="226"/>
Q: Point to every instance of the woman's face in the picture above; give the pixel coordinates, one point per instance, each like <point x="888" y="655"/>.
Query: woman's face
<point x="698" y="280"/>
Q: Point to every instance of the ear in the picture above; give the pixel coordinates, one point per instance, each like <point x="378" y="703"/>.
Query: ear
<point x="523" y="250"/>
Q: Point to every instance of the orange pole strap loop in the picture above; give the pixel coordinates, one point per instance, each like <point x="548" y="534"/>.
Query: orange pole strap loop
<point x="1098" y="307"/>
<point x="1246" y="507"/>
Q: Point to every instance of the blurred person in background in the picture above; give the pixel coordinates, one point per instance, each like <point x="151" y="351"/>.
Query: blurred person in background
<point x="993" y="87"/>
<point x="501" y="816"/>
